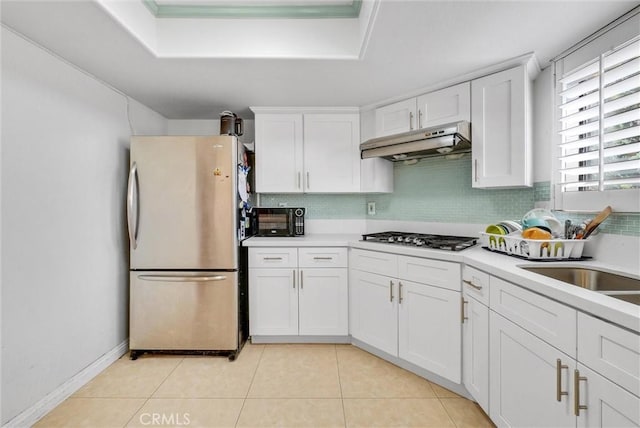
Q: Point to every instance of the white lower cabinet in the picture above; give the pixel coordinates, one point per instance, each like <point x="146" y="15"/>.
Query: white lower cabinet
<point x="526" y="375"/>
<point x="607" y="404"/>
<point x="475" y="349"/>
<point x="373" y="312"/>
<point x="551" y="365"/>
<point x="415" y="321"/>
<point x="273" y="302"/>
<point x="309" y="297"/>
<point x="323" y="300"/>
<point x="429" y="328"/>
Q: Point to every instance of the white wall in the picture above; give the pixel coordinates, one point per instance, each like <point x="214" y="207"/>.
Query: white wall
<point x="65" y="151"/>
<point x="208" y="127"/>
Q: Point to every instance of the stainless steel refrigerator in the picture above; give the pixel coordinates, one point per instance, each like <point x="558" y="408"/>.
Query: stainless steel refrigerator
<point x="182" y="213"/>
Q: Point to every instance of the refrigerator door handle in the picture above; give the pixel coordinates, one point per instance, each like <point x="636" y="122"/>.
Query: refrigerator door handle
<point x="132" y="210"/>
<point x="180" y="278"/>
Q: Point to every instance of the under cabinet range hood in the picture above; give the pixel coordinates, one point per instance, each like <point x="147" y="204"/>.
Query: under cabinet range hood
<point x="439" y="140"/>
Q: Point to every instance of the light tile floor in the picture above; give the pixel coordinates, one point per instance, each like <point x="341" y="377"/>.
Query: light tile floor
<point x="267" y="386"/>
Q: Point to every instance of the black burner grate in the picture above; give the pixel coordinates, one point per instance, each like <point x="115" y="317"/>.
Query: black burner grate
<point x="421" y="240"/>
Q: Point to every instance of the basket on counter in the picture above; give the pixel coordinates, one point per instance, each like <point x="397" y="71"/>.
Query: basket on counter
<point x="533" y="249"/>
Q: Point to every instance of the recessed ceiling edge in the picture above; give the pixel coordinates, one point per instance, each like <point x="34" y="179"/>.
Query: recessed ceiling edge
<point x="338" y="11"/>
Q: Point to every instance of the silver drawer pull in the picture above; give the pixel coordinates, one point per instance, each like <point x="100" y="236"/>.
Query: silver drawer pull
<point x="176" y="278"/>
<point x="477" y="287"/>
<point x="272" y="258"/>
<point x="323" y="258"/>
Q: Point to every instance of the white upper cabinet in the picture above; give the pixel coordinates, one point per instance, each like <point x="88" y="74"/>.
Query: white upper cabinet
<point x="279" y="156"/>
<point x="396" y="118"/>
<point x="307" y="151"/>
<point x="435" y="108"/>
<point x="332" y="153"/>
<point x="450" y="104"/>
<point x="501" y="128"/>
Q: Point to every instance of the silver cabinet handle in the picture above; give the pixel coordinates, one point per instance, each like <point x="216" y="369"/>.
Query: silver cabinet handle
<point x="307" y="179"/>
<point x="132" y="205"/>
<point x="559" y="391"/>
<point x="400" y="292"/>
<point x="299" y="177"/>
<point x="411" y="121"/>
<point x="477" y="287"/>
<point x="301" y="280"/>
<point x="294" y="278"/>
<point x="475" y="167"/>
<point x="419" y="118"/>
<point x="323" y="258"/>
<point x="272" y="258"/>
<point x="182" y="278"/>
<point x="576" y="395"/>
<point x="391" y="291"/>
<point x="462" y="316"/>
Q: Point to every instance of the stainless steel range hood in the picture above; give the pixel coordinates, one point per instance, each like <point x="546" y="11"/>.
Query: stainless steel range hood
<point x="440" y="140"/>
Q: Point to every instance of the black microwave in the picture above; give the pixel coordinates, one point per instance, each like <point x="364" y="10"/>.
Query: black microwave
<point x="279" y="221"/>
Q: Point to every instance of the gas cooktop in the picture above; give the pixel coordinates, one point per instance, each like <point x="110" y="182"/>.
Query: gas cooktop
<point x="420" y="240"/>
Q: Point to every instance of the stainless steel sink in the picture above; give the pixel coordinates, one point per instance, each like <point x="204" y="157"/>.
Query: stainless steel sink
<point x="611" y="284"/>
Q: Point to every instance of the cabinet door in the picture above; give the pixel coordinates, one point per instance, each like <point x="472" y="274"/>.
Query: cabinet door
<point x="279" y="153"/>
<point x="523" y="379"/>
<point x="549" y="320"/>
<point x="323" y="302"/>
<point x="447" y="105"/>
<point x="273" y="302"/>
<point x="500" y="135"/>
<point x="331" y="153"/>
<point x="429" y="328"/>
<point x="396" y="118"/>
<point x="373" y="310"/>
<point x="610" y="350"/>
<point x="475" y="350"/>
<point x="608" y="405"/>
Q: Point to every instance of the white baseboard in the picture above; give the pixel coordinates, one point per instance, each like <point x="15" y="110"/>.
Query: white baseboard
<point x="34" y="413"/>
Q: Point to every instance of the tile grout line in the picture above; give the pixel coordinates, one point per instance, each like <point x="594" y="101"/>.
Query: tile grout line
<point x="344" y="414"/>
<point x="447" y="412"/>
<point x="154" y="391"/>
<point x="244" y="400"/>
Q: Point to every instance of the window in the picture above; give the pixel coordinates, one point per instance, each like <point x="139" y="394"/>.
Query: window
<point x="599" y="131"/>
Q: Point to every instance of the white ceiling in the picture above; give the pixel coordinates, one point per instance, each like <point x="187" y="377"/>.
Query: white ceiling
<point x="414" y="44"/>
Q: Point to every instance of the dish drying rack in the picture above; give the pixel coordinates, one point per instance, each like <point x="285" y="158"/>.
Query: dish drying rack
<point x="533" y="249"/>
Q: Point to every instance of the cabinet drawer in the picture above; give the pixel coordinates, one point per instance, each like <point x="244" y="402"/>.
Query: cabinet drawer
<point x="431" y="272"/>
<point x="551" y="321"/>
<point x="476" y="284"/>
<point x="374" y="261"/>
<point x="610" y="350"/>
<point x="322" y="257"/>
<point x="273" y="257"/>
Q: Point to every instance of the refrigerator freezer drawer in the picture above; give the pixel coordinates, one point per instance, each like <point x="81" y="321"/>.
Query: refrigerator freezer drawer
<point x="183" y="311"/>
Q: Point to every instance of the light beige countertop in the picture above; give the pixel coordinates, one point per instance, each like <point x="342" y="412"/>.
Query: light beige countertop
<point x="503" y="266"/>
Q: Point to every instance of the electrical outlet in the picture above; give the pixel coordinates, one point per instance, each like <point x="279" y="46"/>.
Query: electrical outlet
<point x="371" y="208"/>
<point x="282" y="204"/>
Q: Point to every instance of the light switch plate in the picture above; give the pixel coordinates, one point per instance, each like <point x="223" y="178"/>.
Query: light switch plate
<point x="371" y="208"/>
